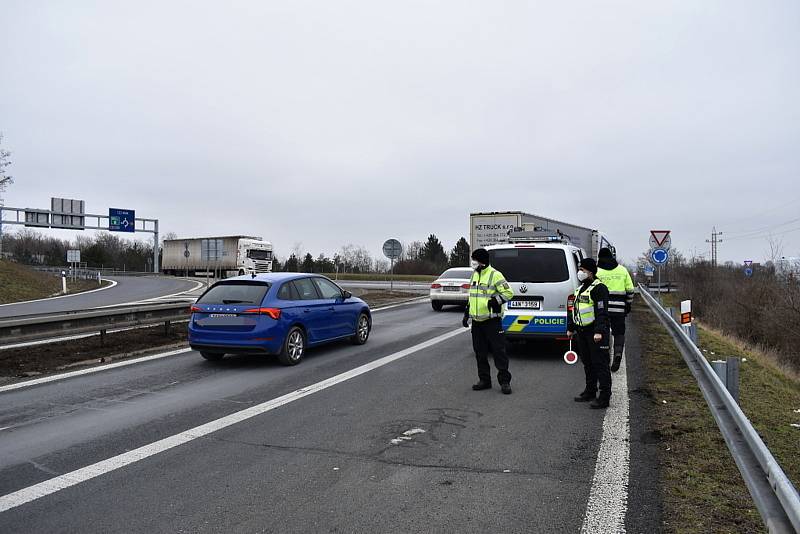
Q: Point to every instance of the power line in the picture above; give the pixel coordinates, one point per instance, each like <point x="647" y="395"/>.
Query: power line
<point x="764" y="228"/>
<point x="714" y="242"/>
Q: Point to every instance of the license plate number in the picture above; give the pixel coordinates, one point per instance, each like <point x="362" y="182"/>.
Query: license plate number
<point x="222" y="315"/>
<point x="525" y="304"/>
<point x="448" y="288"/>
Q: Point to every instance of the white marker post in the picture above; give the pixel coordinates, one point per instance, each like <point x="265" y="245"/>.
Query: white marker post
<point x="64" y="282"/>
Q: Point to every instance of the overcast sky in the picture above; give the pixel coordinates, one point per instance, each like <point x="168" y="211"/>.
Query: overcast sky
<point x="341" y="122"/>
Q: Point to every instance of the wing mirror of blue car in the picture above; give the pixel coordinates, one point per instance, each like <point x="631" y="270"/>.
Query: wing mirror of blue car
<point x="346" y="295"/>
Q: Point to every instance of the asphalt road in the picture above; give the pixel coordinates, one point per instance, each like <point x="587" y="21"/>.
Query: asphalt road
<point x="128" y="289"/>
<point x="325" y="461"/>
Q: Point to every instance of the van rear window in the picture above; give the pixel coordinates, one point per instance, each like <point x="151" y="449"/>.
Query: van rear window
<point x="532" y="265"/>
<point x="235" y="293"/>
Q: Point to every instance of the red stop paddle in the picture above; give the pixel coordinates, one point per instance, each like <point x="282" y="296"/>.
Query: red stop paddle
<point x="570" y="357"/>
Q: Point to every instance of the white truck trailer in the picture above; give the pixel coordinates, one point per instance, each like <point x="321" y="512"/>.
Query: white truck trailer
<point x="492" y="228"/>
<point x="220" y="256"/>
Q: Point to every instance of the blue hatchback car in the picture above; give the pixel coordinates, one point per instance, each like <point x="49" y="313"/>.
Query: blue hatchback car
<point x="275" y="313"/>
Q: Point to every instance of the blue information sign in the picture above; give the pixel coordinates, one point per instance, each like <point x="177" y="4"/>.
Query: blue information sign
<point x="121" y="220"/>
<point x="748" y="272"/>
<point x="659" y="256"/>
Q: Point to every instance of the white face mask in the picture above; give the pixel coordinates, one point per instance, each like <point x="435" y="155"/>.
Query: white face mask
<point x="582" y="276"/>
<point x="474" y="264"/>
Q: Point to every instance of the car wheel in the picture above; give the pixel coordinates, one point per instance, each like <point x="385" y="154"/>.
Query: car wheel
<point x="436" y="305"/>
<point x="293" y="348"/>
<point x="362" y="330"/>
<point x="212" y="356"/>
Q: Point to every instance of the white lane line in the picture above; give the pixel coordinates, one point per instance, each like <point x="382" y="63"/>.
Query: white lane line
<point x="404" y="303"/>
<point x="113" y="283"/>
<point x="197" y="286"/>
<point x="62" y="376"/>
<point x="608" y="500"/>
<point x="42" y="489"/>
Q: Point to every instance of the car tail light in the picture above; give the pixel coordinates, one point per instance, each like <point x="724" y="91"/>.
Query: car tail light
<point x="274" y="313"/>
<point x="570" y="303"/>
<point x="465" y="286"/>
<point x="436" y="286"/>
<point x="195" y="309"/>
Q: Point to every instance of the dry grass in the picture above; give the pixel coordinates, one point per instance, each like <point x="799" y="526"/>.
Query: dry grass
<point x="18" y="283"/>
<point x="702" y="489"/>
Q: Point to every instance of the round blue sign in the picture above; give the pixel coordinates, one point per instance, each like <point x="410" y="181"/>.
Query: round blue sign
<point x="659" y="256"/>
<point x="748" y="271"/>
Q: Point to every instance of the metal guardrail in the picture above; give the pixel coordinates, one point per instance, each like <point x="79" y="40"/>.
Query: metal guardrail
<point x="91" y="272"/>
<point x="773" y="493"/>
<point x="45" y="326"/>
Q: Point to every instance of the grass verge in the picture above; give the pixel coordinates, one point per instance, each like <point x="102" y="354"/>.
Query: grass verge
<point x="19" y="283"/>
<point x="702" y="490"/>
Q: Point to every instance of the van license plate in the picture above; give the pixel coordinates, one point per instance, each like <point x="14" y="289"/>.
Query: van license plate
<point x="525" y="304"/>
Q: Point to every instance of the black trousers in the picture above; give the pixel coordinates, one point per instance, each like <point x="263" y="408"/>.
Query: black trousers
<point x="595" y="360"/>
<point x="488" y="336"/>
<point x="618" y="329"/>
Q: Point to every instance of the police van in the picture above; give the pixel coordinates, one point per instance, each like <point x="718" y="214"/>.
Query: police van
<point x="542" y="269"/>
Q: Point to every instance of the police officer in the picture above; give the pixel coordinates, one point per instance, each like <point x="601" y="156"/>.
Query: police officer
<point x="588" y="323"/>
<point x="620" y="296"/>
<point x="487" y="293"/>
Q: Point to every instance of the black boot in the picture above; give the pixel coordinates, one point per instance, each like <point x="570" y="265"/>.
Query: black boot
<point x="615" y="364"/>
<point x="599" y="404"/>
<point x="482" y="384"/>
<point x="585" y="396"/>
<point x="506" y="389"/>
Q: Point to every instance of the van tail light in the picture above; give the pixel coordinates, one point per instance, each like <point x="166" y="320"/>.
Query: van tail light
<point x="274" y="313"/>
<point x="570" y="303"/>
<point x="436" y="286"/>
<point x="465" y="286"/>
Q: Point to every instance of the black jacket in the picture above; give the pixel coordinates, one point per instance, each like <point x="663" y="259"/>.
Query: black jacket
<point x="601" y="321"/>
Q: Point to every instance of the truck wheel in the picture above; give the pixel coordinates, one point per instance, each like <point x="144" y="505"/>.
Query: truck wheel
<point x="212" y="356"/>
<point x="436" y="305"/>
<point x="294" y="347"/>
<point x="362" y="330"/>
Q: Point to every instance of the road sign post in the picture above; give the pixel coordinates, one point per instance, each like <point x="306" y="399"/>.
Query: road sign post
<point x="392" y="249"/>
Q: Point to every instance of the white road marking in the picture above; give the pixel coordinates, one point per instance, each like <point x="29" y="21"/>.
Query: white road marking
<point x="113" y="283"/>
<point x="608" y="500"/>
<point x="411" y="301"/>
<point x="90" y="370"/>
<point x="99" y="368"/>
<point x="50" y="486"/>
<point x="197" y="286"/>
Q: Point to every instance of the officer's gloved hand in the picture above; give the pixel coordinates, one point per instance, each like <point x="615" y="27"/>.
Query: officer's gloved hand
<point x="627" y="308"/>
<point x="495" y="306"/>
<point x="465" y="321"/>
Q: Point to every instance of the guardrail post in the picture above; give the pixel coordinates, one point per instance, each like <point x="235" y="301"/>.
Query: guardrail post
<point x="102" y="338"/>
<point x="719" y="368"/>
<point x="732" y="377"/>
<point x="166" y="328"/>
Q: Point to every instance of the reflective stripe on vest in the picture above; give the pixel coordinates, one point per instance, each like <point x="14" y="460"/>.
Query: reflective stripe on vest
<point x="482" y="288"/>
<point x="583" y="309"/>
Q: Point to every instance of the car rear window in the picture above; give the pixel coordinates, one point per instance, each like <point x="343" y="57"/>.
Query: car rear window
<point x="459" y="273"/>
<point x="235" y="293"/>
<point x="532" y="265"/>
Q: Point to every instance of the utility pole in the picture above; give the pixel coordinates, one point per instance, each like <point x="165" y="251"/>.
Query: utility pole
<point x="715" y="240"/>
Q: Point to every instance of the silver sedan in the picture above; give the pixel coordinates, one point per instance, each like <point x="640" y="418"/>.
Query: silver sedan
<point x="452" y="287"/>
